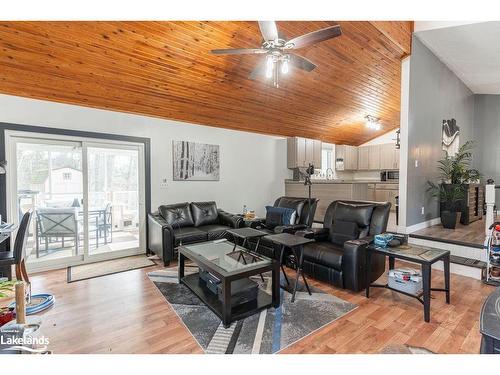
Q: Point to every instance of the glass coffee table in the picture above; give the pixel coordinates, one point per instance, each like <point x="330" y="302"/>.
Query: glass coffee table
<point x="230" y="266"/>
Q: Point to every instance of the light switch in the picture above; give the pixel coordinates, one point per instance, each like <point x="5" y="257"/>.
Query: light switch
<point x="416" y="163"/>
<point x="163" y="183"/>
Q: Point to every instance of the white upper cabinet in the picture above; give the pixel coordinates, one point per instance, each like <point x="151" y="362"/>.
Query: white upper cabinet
<point x="302" y="151"/>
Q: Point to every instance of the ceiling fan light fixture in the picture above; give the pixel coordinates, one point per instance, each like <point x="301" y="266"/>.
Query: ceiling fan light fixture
<point x="269" y="66"/>
<point x="284" y="66"/>
<point x="372" y="122"/>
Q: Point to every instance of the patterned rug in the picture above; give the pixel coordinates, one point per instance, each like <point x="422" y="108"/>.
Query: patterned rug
<point x="268" y="332"/>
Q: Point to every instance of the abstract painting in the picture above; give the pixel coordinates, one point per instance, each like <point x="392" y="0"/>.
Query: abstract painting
<point x="195" y="161"/>
<point x="450" y="137"/>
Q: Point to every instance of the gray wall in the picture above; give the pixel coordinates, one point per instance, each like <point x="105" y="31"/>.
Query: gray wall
<point x="436" y="93"/>
<point x="487" y="137"/>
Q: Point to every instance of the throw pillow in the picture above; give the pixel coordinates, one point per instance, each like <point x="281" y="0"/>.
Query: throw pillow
<point x="276" y="216"/>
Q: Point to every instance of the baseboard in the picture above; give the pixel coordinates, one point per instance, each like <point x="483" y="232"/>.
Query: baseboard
<point x="425" y="224"/>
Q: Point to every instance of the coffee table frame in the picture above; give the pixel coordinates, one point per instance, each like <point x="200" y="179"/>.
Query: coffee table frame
<point x="223" y="309"/>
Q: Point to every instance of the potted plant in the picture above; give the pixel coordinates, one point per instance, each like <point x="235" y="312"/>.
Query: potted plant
<point x="450" y="197"/>
<point x="454" y="173"/>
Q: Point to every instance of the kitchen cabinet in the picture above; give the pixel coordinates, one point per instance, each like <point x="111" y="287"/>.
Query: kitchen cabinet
<point x="302" y="151"/>
<point x="370" y="195"/>
<point x="349" y="156"/>
<point x="387" y="193"/>
<point x="317" y="157"/>
<point x="374" y="157"/>
<point x="389" y="157"/>
<point x="363" y="158"/>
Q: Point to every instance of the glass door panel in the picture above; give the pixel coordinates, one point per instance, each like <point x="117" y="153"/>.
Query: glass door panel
<point x="49" y="180"/>
<point x="113" y="199"/>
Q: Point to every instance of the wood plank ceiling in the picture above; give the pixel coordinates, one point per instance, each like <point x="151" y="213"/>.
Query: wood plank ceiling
<point x="164" y="69"/>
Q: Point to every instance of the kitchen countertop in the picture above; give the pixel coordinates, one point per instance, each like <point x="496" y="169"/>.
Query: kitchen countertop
<point x="319" y="181"/>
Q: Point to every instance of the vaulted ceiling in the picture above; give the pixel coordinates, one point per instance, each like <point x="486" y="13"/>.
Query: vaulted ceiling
<point x="164" y="69"/>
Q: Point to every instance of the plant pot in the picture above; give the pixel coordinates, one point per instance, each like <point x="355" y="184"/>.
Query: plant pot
<point x="449" y="219"/>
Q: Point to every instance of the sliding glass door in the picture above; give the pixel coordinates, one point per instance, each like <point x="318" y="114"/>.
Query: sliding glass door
<point x="49" y="180"/>
<point x="87" y="198"/>
<point x="113" y="197"/>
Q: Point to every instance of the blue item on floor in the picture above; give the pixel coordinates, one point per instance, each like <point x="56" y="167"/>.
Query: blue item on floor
<point x="39" y="302"/>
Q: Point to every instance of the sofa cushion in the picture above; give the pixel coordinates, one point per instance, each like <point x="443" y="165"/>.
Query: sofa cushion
<point x="177" y="215"/>
<point x="189" y="234"/>
<point x="294" y="204"/>
<point x="358" y="214"/>
<point x="324" y="253"/>
<point x="214" y="231"/>
<point x="342" y="231"/>
<point x="204" y="213"/>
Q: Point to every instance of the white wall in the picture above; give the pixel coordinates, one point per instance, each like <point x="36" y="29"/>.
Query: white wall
<point x="389" y="137"/>
<point x="253" y="166"/>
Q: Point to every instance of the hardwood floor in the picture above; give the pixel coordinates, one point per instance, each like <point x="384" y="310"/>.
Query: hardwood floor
<point x="470" y="234"/>
<point x="125" y="313"/>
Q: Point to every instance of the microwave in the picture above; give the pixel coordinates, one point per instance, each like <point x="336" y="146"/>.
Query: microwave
<point x="389" y="176"/>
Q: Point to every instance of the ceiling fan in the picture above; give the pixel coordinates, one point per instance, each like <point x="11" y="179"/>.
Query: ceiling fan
<point x="278" y="50"/>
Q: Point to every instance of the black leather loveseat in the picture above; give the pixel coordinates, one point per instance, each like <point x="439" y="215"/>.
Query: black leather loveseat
<point x="189" y="223"/>
<point x="338" y="254"/>
<point x="304" y="220"/>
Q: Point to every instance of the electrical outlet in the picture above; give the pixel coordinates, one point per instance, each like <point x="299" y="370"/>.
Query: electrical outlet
<point x="163" y="183"/>
<point x="423" y="210"/>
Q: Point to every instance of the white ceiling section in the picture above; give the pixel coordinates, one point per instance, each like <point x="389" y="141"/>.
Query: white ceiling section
<point x="471" y="51"/>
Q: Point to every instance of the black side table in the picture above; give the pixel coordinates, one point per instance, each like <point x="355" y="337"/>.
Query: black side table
<point x="415" y="254"/>
<point x="245" y="234"/>
<point x="296" y="245"/>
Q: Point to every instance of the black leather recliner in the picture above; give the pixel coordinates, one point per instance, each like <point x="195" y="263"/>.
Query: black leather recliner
<point x="338" y="254"/>
<point x="189" y="223"/>
<point x="304" y="220"/>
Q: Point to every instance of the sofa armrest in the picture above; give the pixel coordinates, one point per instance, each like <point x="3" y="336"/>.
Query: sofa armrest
<point x="289" y="228"/>
<point x="354" y="264"/>
<point x="226" y="218"/>
<point x="160" y="238"/>
<point x="317" y="234"/>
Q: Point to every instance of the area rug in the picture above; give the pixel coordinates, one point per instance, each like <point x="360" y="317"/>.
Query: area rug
<point x="266" y="332"/>
<point x="107" y="267"/>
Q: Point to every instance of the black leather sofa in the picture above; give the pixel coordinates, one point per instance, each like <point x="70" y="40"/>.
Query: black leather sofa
<point x="338" y="254"/>
<point x="189" y="223"/>
<point x="304" y="220"/>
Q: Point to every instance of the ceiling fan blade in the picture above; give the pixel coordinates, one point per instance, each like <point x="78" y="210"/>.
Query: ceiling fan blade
<point x="259" y="71"/>
<point x="269" y="30"/>
<point x="238" y="51"/>
<point x="314" y="37"/>
<point x="301" y="63"/>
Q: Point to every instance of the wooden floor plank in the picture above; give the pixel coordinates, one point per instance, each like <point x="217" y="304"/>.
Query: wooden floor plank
<point x="126" y="313"/>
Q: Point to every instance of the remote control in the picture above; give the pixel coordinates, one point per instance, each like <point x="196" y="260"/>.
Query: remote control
<point x="221" y="240"/>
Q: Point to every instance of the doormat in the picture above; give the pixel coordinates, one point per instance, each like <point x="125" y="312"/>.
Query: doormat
<point x="107" y="267"/>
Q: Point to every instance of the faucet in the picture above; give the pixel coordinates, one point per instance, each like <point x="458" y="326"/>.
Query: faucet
<point x="329" y="174"/>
